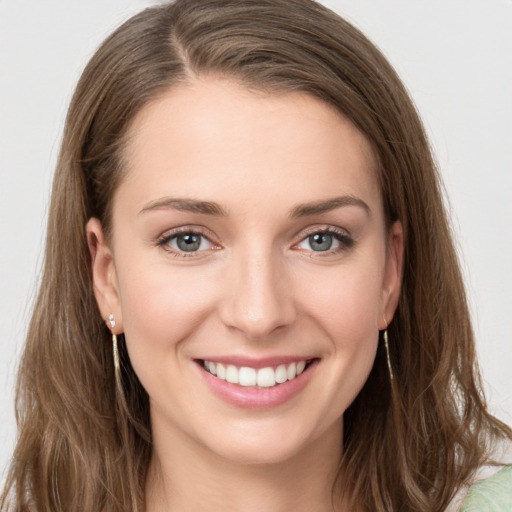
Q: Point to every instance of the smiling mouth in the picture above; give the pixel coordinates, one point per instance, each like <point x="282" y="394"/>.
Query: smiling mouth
<point x="245" y="376"/>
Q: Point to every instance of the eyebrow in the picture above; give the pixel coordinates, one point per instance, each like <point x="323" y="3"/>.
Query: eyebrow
<point x="314" y="208"/>
<point x="185" y="205"/>
<point x="211" y="208"/>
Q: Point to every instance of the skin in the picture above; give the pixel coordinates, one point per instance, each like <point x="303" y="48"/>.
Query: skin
<point x="255" y="288"/>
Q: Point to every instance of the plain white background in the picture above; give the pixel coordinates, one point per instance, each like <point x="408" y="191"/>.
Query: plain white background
<point x="455" y="57"/>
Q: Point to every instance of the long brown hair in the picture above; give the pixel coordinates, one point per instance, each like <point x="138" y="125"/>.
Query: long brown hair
<point x="85" y="441"/>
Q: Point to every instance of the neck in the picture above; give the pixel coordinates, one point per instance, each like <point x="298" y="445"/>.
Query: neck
<point x="185" y="476"/>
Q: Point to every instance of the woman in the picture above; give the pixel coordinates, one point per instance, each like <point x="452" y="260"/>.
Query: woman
<point x="250" y="296"/>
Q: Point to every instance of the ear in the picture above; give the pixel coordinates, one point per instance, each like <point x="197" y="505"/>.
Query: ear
<point x="392" y="281"/>
<point x="104" y="274"/>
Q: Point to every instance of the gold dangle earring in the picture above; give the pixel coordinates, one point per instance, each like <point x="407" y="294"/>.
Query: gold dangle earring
<point x="386" y="346"/>
<point x="120" y="397"/>
<point x="115" y="352"/>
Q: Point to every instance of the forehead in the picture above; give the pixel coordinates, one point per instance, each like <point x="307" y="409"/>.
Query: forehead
<point x="217" y="138"/>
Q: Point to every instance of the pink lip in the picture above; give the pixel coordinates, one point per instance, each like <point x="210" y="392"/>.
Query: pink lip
<point x="252" y="398"/>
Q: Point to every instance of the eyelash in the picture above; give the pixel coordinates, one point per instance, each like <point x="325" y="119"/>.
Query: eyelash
<point x="165" y="239"/>
<point x="346" y="241"/>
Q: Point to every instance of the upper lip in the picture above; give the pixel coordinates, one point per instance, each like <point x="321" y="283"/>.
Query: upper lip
<point x="256" y="362"/>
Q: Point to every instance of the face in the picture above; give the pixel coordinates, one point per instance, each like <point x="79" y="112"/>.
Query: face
<point x="248" y="238"/>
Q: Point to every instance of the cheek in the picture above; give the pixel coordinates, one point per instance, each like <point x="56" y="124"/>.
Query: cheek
<point x="161" y="306"/>
<point x="348" y="315"/>
<point x="346" y="300"/>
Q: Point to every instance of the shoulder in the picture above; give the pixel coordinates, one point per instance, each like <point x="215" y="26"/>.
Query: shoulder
<point x="493" y="494"/>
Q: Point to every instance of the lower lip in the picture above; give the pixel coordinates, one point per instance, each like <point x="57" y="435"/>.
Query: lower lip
<point x="262" y="398"/>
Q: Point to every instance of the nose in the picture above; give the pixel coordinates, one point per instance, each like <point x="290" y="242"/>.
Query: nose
<point x="259" y="300"/>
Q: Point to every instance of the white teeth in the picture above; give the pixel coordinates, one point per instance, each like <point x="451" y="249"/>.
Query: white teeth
<point x="247" y="376"/>
<point x="264" y="377"/>
<point x="281" y="374"/>
<point x="292" y="371"/>
<point x="232" y="374"/>
<point x="221" y="371"/>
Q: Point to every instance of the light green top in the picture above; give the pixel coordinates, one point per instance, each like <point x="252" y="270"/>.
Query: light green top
<point x="494" y="494"/>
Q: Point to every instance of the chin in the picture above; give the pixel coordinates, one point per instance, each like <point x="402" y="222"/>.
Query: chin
<point x="268" y="443"/>
<point x="255" y="453"/>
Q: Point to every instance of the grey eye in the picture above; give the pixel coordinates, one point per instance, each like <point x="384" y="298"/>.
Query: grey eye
<point x="321" y="241"/>
<point x="189" y="242"/>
